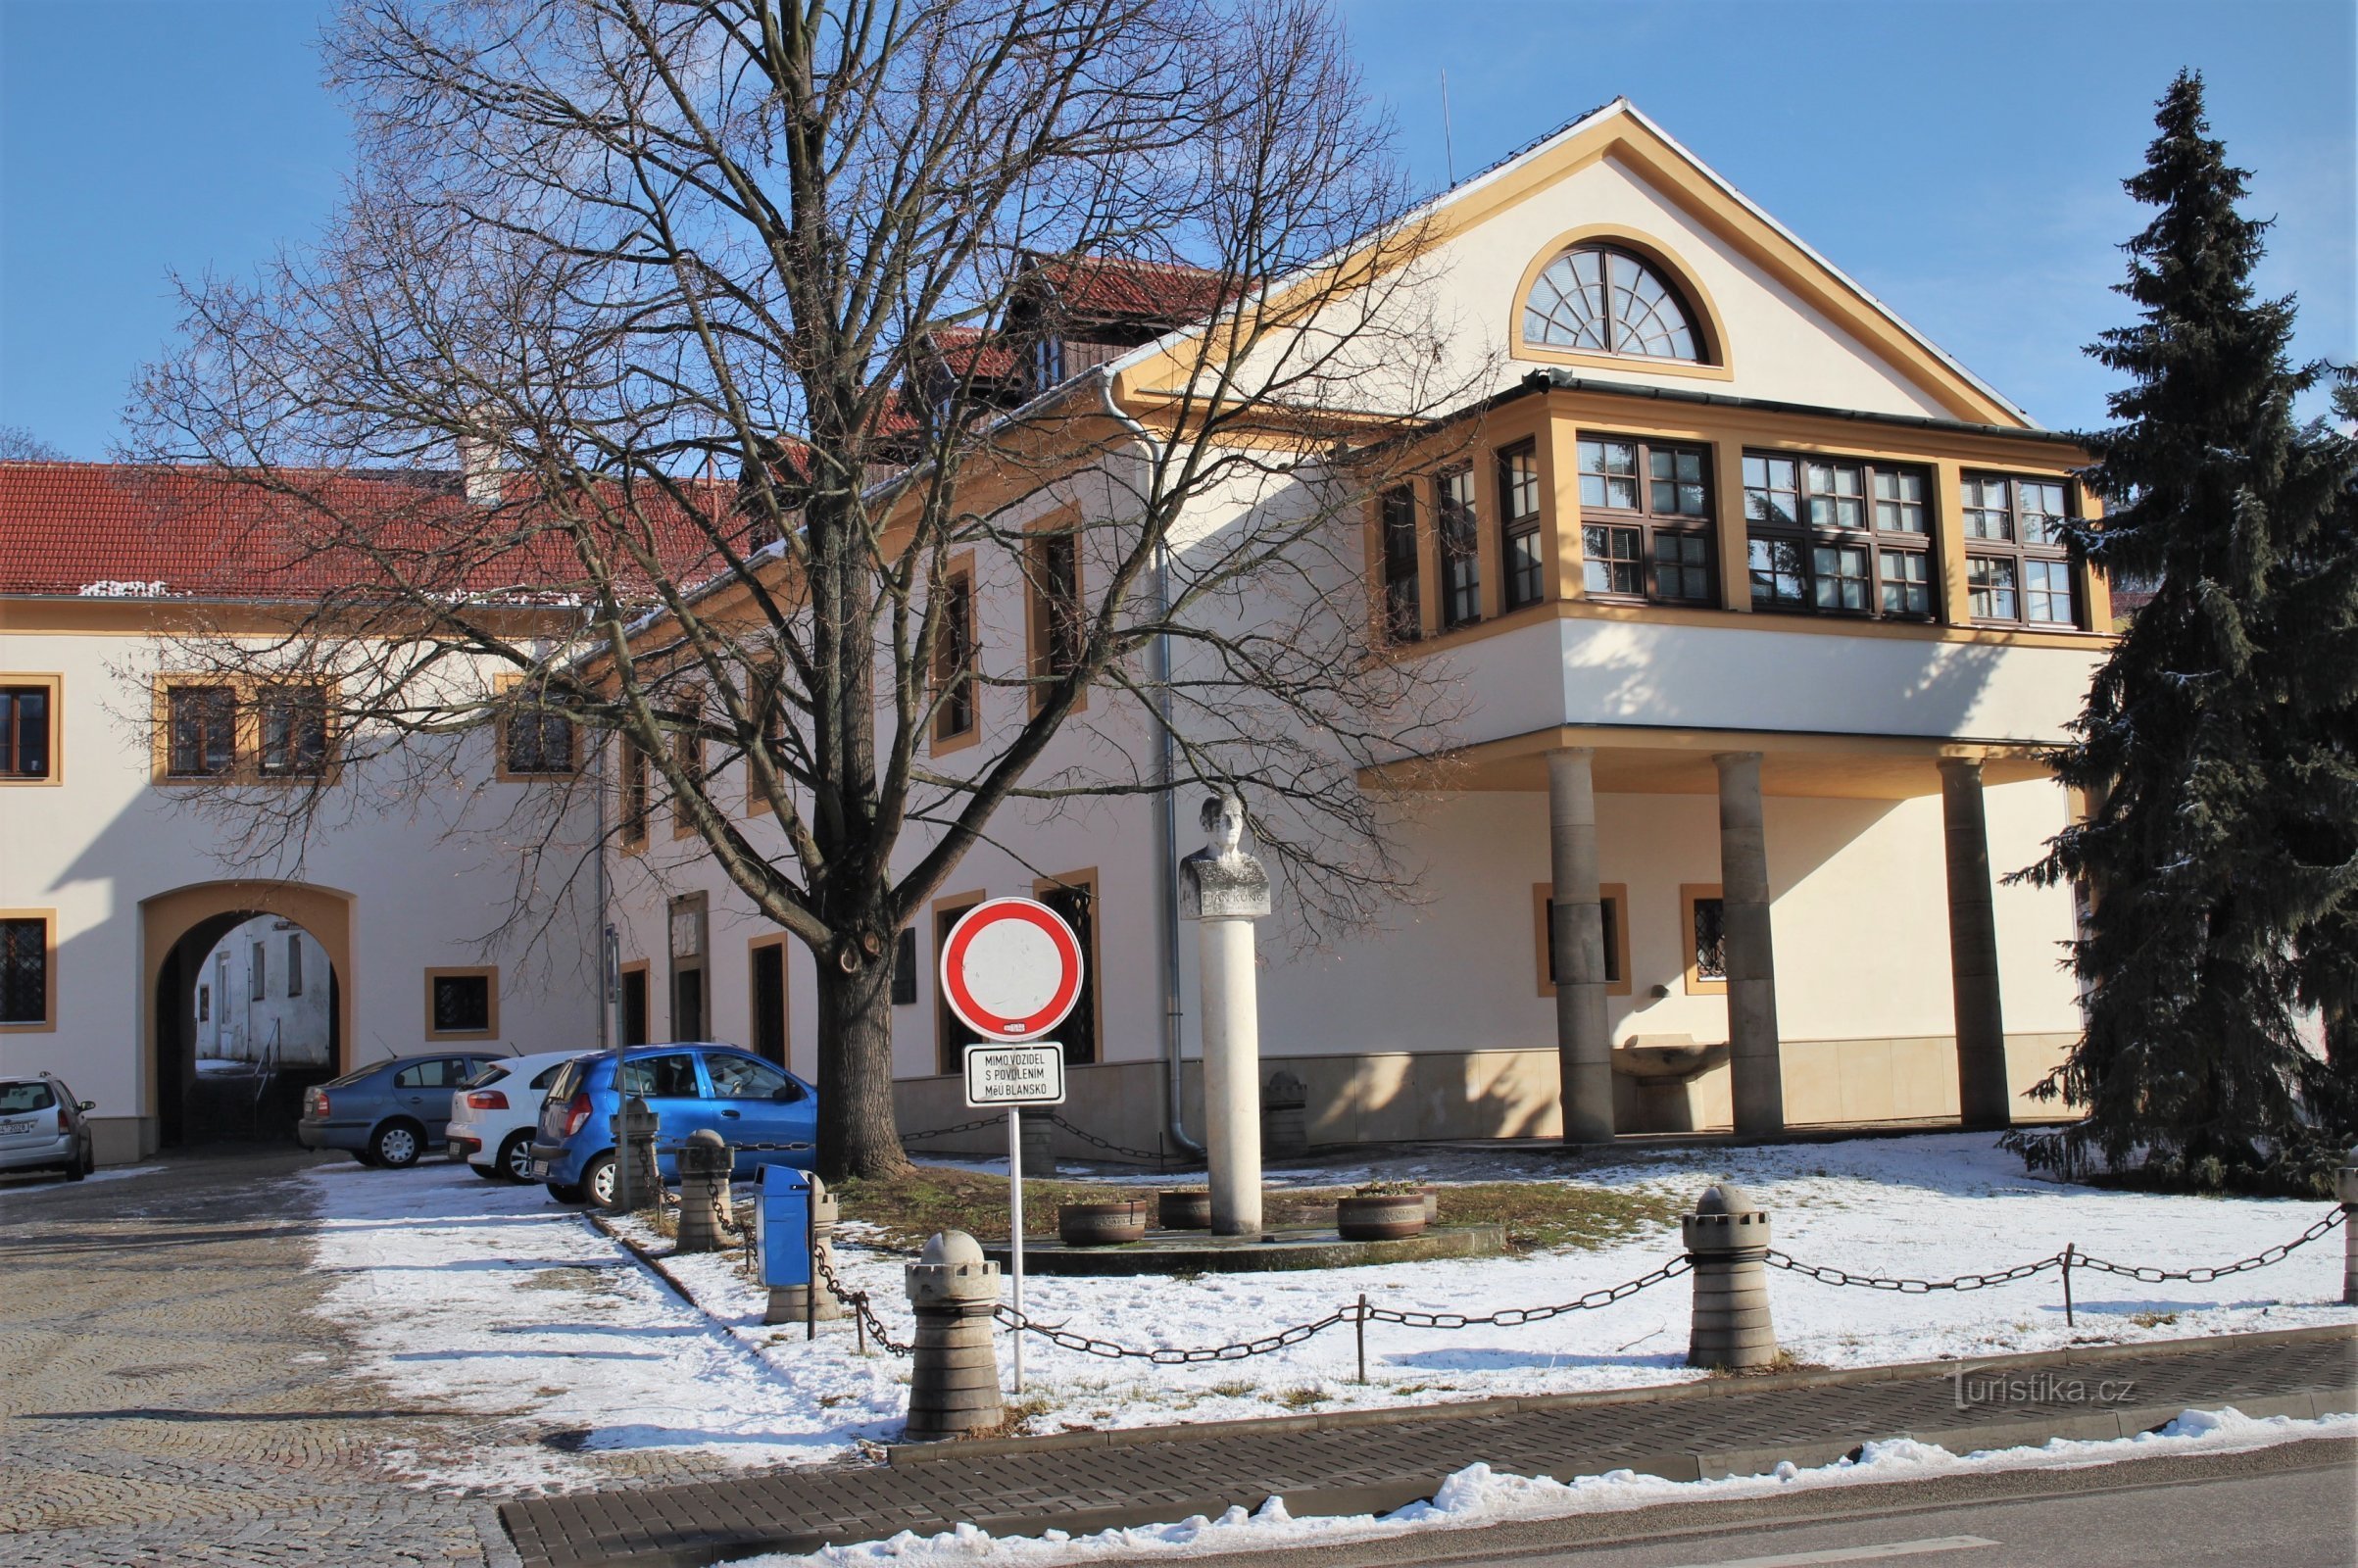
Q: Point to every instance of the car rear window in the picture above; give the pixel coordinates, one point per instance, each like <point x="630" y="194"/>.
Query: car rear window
<point x="489" y="1075"/>
<point x="353" y="1076"/>
<point x="548" y="1075"/>
<point x="568" y="1077"/>
<point x="17" y="1097"/>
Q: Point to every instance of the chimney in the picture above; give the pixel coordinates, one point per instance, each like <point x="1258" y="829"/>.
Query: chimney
<point x="479" y="468"/>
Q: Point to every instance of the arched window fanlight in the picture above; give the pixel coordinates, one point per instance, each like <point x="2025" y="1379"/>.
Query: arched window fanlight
<point x="1600" y="299"/>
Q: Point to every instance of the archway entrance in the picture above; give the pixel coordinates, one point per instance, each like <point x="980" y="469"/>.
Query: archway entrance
<point x="248" y="1004"/>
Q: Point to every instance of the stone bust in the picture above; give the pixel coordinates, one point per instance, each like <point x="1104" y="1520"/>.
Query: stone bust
<point x="1220" y="881"/>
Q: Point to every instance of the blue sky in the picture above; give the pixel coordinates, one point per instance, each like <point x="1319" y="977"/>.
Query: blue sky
<point x="1960" y="158"/>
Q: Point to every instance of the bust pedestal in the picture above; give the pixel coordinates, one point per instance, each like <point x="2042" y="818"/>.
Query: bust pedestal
<point x="1225" y="893"/>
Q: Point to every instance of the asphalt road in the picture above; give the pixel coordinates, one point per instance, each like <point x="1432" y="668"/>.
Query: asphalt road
<point x="2292" y="1506"/>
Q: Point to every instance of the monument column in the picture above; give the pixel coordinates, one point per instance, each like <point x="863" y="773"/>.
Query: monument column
<point x="1224" y="890"/>
<point x="1754" y="1066"/>
<point x="1584" y="1042"/>
<point x="1983" y="1099"/>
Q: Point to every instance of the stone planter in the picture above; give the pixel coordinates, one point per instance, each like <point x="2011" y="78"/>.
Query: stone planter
<point x="1103" y="1224"/>
<point x="1183" y="1211"/>
<point x="1380" y="1216"/>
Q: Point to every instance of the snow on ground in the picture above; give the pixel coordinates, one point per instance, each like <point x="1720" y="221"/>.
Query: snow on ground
<point x="1478" y="1496"/>
<point x="51" y="1183"/>
<point x="492" y="1299"/>
<point x="1931" y="1207"/>
<point x="533" y="1313"/>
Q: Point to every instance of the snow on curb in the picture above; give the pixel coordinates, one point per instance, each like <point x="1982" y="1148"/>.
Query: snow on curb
<point x="1478" y="1496"/>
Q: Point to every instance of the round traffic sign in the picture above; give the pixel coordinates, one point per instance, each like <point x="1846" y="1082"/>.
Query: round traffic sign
<point x="1012" y="969"/>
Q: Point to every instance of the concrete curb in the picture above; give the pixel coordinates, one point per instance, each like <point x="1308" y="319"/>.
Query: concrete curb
<point x="1650" y="1393"/>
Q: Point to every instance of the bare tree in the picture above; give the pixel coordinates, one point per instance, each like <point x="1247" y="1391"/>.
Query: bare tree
<point x="604" y="250"/>
<point x="19" y="445"/>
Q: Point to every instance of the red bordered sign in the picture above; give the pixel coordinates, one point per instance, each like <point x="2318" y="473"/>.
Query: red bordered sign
<point x="1011" y="970"/>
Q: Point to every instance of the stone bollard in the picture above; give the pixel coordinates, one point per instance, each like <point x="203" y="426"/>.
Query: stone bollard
<point x="1285" y="1131"/>
<point x="1039" y="1157"/>
<point x="2345" y="1190"/>
<point x="1728" y="1242"/>
<point x="634" y="1134"/>
<point x="795" y="1303"/>
<point x="706" y="1224"/>
<point x="953" y="1383"/>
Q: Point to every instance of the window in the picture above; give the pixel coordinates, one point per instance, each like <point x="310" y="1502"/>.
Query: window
<point x="1600" y="299"/>
<point x="953" y="712"/>
<point x="257" y="980"/>
<point x="1075" y="898"/>
<point x="950" y="1035"/>
<point x="1460" y="550"/>
<point x="294" y="731"/>
<point x="1838" y="536"/>
<point x="1704" y="917"/>
<point x="25" y="971"/>
<point x="294" y="966"/>
<point x="687" y="1002"/>
<point x="2016" y="568"/>
<point x="1612" y="901"/>
<point x="1645" y="521"/>
<point x="905" y="967"/>
<point x="25" y="748"/>
<point x="534" y="742"/>
<point x="634" y="1004"/>
<point x="671" y="1076"/>
<point x="440" y="1073"/>
<point x="1058" y="629"/>
<point x="1519" y="524"/>
<point x="1404" y="589"/>
<point x="1048" y="361"/>
<point x="204" y="1003"/>
<point x="202" y="731"/>
<point x="634" y="793"/>
<point x="461" y="1001"/>
<point x="768" y="999"/>
<point x="735" y="1078"/>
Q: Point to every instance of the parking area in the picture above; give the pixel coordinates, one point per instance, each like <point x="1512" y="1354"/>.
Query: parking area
<point x="169" y="1393"/>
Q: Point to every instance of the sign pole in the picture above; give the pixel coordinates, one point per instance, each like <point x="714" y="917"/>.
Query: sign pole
<point x="1016" y="1227"/>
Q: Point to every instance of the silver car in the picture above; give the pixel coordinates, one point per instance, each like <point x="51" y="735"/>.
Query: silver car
<point x="41" y="1128"/>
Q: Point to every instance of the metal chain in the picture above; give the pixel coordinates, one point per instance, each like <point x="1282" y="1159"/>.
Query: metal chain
<point x="1081" y="1133"/>
<point x="1088" y="1137"/>
<point x="858" y="1302"/>
<point x="961" y="1127"/>
<point x="2203" y="1276"/>
<point x="1963" y="1282"/>
<point x="1284" y="1338"/>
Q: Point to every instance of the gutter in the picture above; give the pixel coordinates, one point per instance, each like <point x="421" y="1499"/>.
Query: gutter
<point x="1166" y="827"/>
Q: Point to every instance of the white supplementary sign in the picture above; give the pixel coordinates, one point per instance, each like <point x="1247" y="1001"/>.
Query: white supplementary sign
<point x="1031" y="1074"/>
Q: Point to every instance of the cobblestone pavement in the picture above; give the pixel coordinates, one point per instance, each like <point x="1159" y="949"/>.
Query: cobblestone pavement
<point x="168" y="1394"/>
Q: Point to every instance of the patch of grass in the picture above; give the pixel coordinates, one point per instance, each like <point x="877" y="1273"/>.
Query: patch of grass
<point x="1547" y="1216"/>
<point x="1785" y="1361"/>
<point x="2152" y="1320"/>
<point x="1237" y="1389"/>
<point x="906" y="1209"/>
<point x="1301" y="1399"/>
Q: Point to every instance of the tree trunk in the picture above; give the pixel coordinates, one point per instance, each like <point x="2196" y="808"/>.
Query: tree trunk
<point x="858" y="1134"/>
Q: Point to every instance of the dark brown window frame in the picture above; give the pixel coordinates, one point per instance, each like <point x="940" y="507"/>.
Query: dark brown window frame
<point x="197" y="717"/>
<point x="1458" y="531"/>
<point x="1058" y="624"/>
<point x="526" y="751"/>
<point x="1404" y="567"/>
<point x="14" y="700"/>
<point x="1877" y="541"/>
<point x="2018" y="551"/>
<point x="957" y="714"/>
<point x="1648" y="523"/>
<point x="1525" y="579"/>
<point x="636" y="805"/>
<point x="27" y="970"/>
<point x="291" y="730"/>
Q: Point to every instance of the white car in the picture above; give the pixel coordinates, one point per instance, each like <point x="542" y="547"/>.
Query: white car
<point x="491" y="1119"/>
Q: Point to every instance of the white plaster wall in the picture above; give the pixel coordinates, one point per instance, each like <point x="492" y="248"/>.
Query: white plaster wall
<point x="292" y="1028"/>
<point x="95" y="846"/>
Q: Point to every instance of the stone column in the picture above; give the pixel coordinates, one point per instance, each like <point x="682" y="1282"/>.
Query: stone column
<point x="954" y="1377"/>
<point x="639" y="1179"/>
<point x="1584" y="1040"/>
<point x="1983" y="1099"/>
<point x="2346" y="1193"/>
<point x="1754" y="1067"/>
<point x="1728" y="1241"/>
<point x="706" y="1224"/>
<point x="1224" y="890"/>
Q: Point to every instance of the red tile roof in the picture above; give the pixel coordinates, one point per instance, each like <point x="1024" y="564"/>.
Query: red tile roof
<point x="105" y="530"/>
<point x="1160" y="291"/>
<point x="968" y="351"/>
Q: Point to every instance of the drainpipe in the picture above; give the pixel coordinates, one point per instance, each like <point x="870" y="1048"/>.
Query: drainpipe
<point x="1166" y="828"/>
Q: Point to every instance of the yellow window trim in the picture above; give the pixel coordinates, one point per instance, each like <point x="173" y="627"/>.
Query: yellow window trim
<point x="48" y="1021"/>
<point x="1613" y="893"/>
<point x="1689" y="892"/>
<point x="54" y="684"/>
<point x="491" y="977"/>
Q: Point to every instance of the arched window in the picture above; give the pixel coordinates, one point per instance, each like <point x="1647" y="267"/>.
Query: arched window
<point x="1600" y="299"/>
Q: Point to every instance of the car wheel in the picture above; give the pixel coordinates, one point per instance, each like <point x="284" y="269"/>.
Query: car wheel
<point x="516" y="1156"/>
<point x="598" y="1181"/>
<point x="397" y="1143"/>
<point x="565" y="1192"/>
<point x="490" y="1173"/>
<point x="361" y="1156"/>
<point x="79" y="1166"/>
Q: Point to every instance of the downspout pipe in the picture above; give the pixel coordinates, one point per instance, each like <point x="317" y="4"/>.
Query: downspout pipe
<point x="1166" y="825"/>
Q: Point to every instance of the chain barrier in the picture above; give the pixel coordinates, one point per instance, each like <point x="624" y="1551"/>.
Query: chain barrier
<point x="2203" y="1276"/>
<point x="1515" y="1316"/>
<point x="1873" y="1282"/>
<point x="1090" y="1137"/>
<point x="859" y="1303"/>
<point x="998" y="1121"/>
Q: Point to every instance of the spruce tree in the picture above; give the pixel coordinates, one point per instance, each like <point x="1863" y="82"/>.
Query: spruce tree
<point x="2214" y="751"/>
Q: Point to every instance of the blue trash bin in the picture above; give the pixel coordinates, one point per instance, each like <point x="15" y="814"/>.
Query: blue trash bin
<point x="783" y="1222"/>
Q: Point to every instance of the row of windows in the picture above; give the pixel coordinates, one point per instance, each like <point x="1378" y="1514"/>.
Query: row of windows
<point x="1702" y="915"/>
<point x="1823" y="535"/>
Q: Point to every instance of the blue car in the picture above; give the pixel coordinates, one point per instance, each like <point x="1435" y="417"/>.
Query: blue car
<point x="689" y="1087"/>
